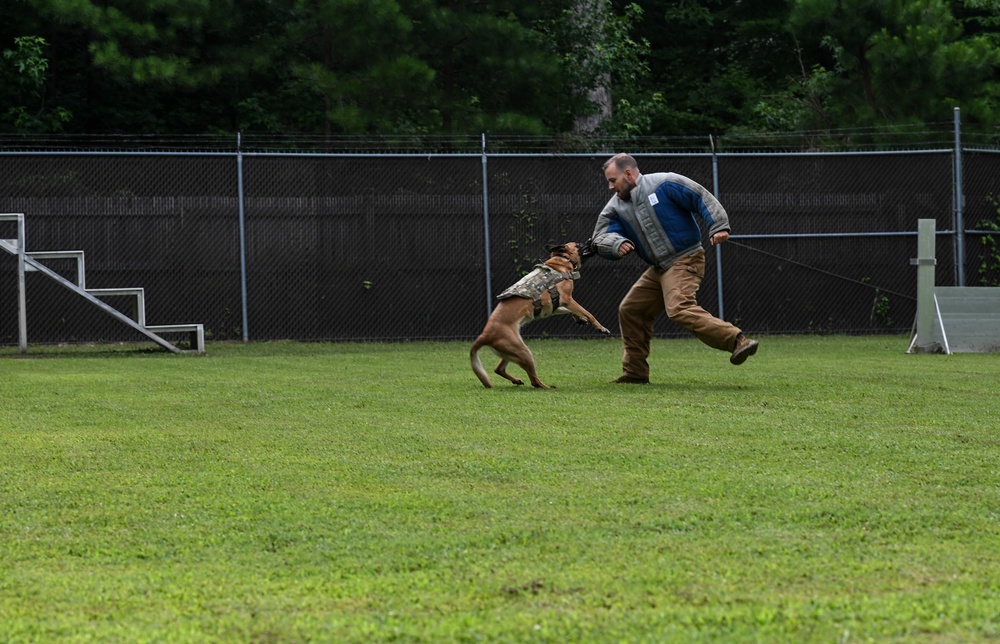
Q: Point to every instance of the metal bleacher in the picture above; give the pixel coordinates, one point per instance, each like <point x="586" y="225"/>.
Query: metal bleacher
<point x="32" y="261"/>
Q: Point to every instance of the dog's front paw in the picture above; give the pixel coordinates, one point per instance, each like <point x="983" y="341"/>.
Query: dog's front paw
<point x="604" y="331"/>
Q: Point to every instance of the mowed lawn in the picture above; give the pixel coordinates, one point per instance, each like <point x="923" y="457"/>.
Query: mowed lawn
<point x="832" y="489"/>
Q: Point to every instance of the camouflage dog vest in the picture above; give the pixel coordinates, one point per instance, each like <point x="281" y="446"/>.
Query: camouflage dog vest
<point x="531" y="286"/>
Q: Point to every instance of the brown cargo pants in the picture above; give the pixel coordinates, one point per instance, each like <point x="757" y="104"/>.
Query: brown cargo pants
<point x="675" y="291"/>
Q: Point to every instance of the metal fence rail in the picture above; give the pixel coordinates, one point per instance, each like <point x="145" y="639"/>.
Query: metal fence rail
<point x="387" y="247"/>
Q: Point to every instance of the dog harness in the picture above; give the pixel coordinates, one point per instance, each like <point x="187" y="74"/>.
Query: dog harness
<point x="531" y="286"/>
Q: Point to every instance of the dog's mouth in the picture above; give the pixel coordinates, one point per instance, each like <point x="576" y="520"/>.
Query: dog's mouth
<point x="585" y="249"/>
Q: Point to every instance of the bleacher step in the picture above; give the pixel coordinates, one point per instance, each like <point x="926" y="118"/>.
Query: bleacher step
<point x="81" y="279"/>
<point x="196" y="333"/>
<point x="139" y="306"/>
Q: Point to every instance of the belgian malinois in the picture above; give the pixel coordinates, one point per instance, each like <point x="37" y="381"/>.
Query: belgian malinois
<point x="546" y="291"/>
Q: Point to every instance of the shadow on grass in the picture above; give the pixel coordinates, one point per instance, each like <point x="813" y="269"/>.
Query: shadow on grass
<point x="39" y="352"/>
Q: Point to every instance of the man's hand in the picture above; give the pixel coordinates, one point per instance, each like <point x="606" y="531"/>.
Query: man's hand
<point x="625" y="249"/>
<point x="719" y="237"/>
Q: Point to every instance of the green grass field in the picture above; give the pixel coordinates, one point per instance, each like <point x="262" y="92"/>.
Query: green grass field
<point x="832" y="489"/>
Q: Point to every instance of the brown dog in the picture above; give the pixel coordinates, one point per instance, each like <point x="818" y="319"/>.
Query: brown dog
<point x="548" y="290"/>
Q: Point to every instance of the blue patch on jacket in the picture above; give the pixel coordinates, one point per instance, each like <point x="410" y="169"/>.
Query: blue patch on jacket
<point x="675" y="209"/>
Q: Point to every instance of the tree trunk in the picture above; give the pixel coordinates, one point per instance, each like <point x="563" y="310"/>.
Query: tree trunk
<point x="600" y="95"/>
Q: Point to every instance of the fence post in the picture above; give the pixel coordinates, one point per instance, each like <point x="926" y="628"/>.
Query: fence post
<point x="718" y="247"/>
<point x="243" y="234"/>
<point x="959" y="203"/>
<point x="22" y="311"/>
<point x="486" y="231"/>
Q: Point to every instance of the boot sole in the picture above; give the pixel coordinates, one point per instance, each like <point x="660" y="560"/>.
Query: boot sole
<point x="741" y="356"/>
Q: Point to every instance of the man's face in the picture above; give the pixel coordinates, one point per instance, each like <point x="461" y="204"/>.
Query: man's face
<point x="621" y="181"/>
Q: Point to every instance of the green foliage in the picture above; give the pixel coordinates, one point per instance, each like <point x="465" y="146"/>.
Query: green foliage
<point x="597" y="48"/>
<point x="522" y="237"/>
<point x="709" y="62"/>
<point x="160" y="42"/>
<point x="802" y="102"/>
<point x="24" y="75"/>
<point x="28" y="60"/>
<point x="894" y="63"/>
<point x="989" y="259"/>
<point x="354" y="60"/>
<point x="354" y="67"/>
<point x="979" y="17"/>
<point x="367" y="492"/>
<point x="880" y="309"/>
<point x="327" y="67"/>
<point x="495" y="71"/>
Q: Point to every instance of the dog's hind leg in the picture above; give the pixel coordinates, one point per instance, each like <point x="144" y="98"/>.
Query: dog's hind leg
<point x="501" y="371"/>
<point x="513" y="349"/>
<point x="524" y="359"/>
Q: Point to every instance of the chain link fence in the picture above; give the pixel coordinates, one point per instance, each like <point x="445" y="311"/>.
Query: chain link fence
<point x="390" y="247"/>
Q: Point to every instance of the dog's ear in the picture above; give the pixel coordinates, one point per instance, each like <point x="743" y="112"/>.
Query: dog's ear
<point x="555" y="248"/>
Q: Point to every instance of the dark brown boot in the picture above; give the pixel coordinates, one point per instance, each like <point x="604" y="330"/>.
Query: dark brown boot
<point x="743" y="348"/>
<point x="631" y="381"/>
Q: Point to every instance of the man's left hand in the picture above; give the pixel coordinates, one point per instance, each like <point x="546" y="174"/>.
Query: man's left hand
<point x="719" y="237"/>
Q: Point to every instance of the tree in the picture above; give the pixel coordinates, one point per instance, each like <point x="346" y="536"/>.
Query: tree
<point x="709" y="62"/>
<point x="662" y="67"/>
<point x="889" y="62"/>
<point x="496" y="69"/>
<point x="350" y="67"/>
<point x="310" y="66"/>
<point x="149" y="67"/>
<point x="425" y="67"/>
<point x="598" y="51"/>
<point x="24" y="74"/>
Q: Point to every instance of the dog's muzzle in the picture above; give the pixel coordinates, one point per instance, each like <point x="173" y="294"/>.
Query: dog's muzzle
<point x="586" y="249"/>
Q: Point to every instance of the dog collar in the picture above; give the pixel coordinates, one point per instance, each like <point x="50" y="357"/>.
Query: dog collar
<point x="575" y="273"/>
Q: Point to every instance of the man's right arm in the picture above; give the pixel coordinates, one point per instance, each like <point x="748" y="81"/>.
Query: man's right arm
<point x="608" y="241"/>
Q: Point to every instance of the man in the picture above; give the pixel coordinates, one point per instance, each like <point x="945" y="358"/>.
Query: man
<point x="656" y="215"/>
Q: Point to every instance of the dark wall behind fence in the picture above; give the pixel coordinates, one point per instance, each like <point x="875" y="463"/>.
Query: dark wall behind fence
<point x="393" y="247"/>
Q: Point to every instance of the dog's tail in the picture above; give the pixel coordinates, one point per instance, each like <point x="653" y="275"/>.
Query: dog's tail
<point x="477" y="366"/>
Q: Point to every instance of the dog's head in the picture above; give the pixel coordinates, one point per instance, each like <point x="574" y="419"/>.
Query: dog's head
<point x="580" y="250"/>
<point x="586" y="249"/>
<point x="569" y="250"/>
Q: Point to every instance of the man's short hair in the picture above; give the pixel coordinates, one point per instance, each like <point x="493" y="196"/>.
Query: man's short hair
<point x="621" y="161"/>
